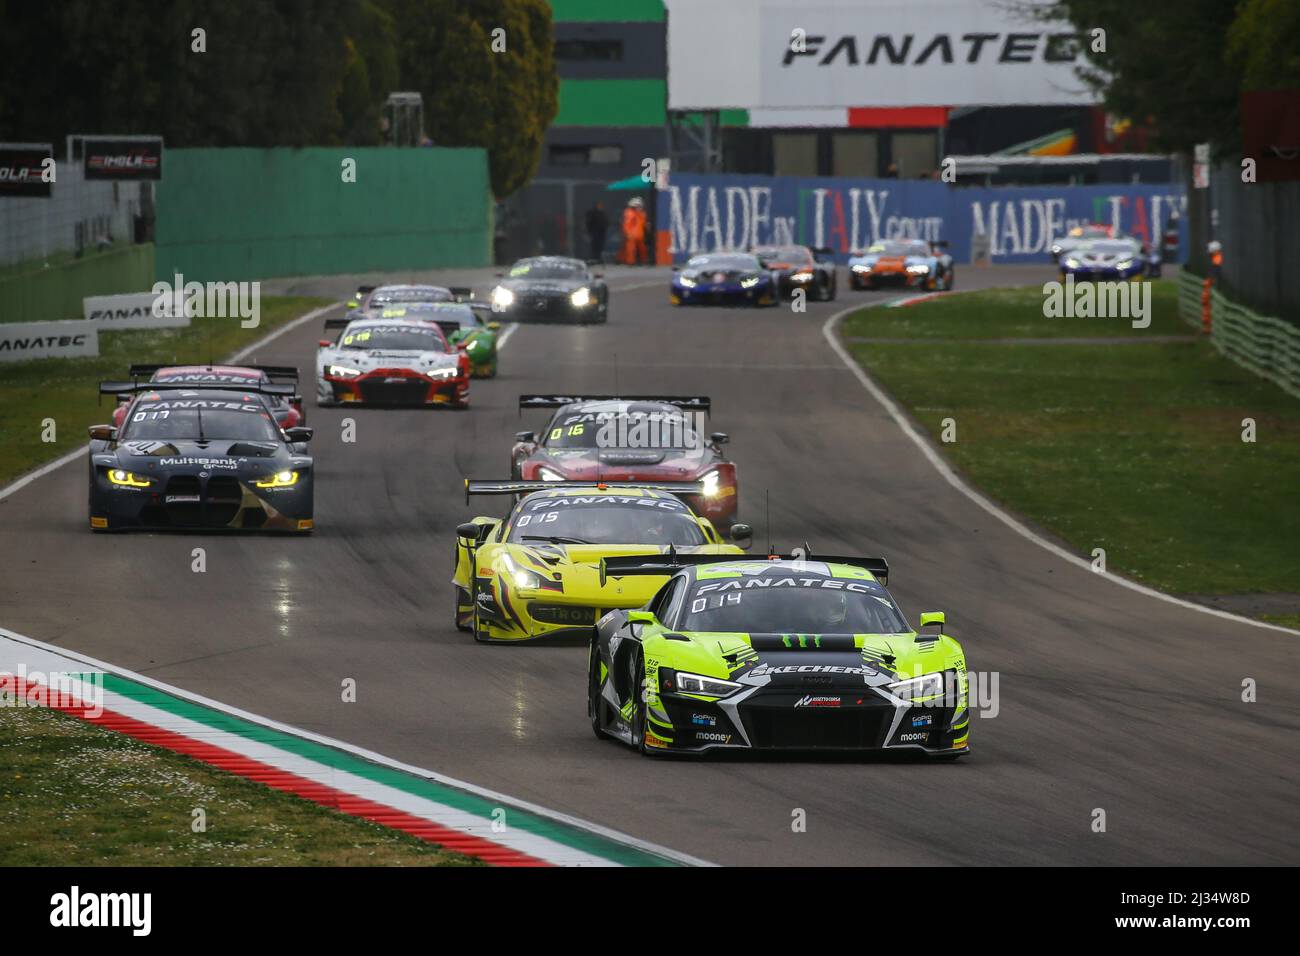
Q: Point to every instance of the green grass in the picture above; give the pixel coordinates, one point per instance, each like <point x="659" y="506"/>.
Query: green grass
<point x="66" y="390"/>
<point x="74" y="794"/>
<point x="1132" y="448"/>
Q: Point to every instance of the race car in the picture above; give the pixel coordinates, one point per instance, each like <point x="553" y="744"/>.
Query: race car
<point x="789" y="653"/>
<point x="1123" y="260"/>
<point x="390" y="361"/>
<point x="914" y="263"/>
<point x="657" y="438"/>
<point x="1076" y="237"/>
<point x="467" y="328"/>
<point x="551" y="289"/>
<point x="719" y="278"/>
<point x="370" y="297"/>
<point x="288" y="411"/>
<point x="535" y="572"/>
<point x="798" y="267"/>
<point x="200" y="457"/>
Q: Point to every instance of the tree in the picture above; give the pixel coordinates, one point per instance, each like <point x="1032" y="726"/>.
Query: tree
<point x="1264" y="44"/>
<point x="474" y="96"/>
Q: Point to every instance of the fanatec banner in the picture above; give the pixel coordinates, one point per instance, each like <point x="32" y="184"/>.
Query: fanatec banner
<point x="770" y="54"/>
<point x="30" y="340"/>
<point x="709" y="213"/>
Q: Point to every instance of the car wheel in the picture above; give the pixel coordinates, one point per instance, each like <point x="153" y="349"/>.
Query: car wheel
<point x="594" y="703"/>
<point x="462" y="598"/>
<point x="637" y="684"/>
<point x="952" y="277"/>
<point x="480" y="632"/>
<point x="833" y="288"/>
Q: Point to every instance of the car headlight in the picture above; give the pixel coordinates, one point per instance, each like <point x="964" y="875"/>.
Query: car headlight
<point x="918" y="688"/>
<point x="707" y="686"/>
<point x="545" y="474"/>
<point x="1124" y="264"/>
<point x="501" y="296"/>
<point x="342" y="371"/>
<point x="861" y="267"/>
<point x="918" y="269"/>
<point x="1072" y="263"/>
<point x="710" y="484"/>
<point x="449" y="371"/>
<point x="748" y="282"/>
<point x="801" y="277"/>
<point x="687" y="281"/>
<point x="281" y="479"/>
<point x="580" y="297"/>
<point x="521" y="578"/>
<point x="126" y="479"/>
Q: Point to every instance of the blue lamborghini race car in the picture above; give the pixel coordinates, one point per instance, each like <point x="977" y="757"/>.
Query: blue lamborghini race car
<point x="720" y="278"/>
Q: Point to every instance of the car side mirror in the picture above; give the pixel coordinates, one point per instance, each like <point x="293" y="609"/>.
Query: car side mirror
<point x="719" y="438"/>
<point x="102" y="432"/>
<point x="324" y="343"/>
<point x="493" y="326"/>
<point x="468" y="531"/>
<point x="525" y="436"/>
<point x="742" y="535"/>
<point x="299" y="433"/>
<point x="640" y="617"/>
<point x="928" y="618"/>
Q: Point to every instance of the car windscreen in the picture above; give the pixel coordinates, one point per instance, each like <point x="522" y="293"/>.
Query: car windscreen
<point x="792" y="254"/>
<point x="605" y="519"/>
<point x="234" y="418"/>
<point x="422" y="338"/>
<point x="725" y="262"/>
<point x="410" y="295"/>
<point x="794" y="604"/>
<point x="899" y="248"/>
<point x="548" y="270"/>
<point x="651" y="430"/>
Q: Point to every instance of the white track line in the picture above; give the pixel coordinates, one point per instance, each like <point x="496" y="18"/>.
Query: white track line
<point x="950" y="476"/>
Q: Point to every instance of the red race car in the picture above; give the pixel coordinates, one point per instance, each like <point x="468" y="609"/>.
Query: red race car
<point x="390" y="360"/>
<point x="630" y="438"/>
<point x="288" y="409"/>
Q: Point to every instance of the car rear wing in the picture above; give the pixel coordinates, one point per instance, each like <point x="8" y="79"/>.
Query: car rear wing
<point x="283" y="373"/>
<point x="481" y="486"/>
<point x="823" y="254"/>
<point x="261" y="388"/>
<point x="671" y="563"/>
<point x="449" y="328"/>
<point x="697" y="402"/>
<point x="461" y="293"/>
<point x="340" y="323"/>
<point x="365" y="290"/>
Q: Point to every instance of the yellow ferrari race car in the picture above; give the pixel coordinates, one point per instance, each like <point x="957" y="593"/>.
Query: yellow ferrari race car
<point x="536" y="572"/>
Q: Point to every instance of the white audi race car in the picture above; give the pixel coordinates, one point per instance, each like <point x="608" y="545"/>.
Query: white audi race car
<point x="390" y="361"/>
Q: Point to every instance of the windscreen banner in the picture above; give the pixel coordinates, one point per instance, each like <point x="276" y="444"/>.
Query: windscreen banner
<point x="725" y="212"/>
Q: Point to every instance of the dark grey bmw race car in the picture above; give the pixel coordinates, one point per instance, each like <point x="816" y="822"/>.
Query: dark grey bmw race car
<point x="551" y="289"/>
<point x="199" y="457"/>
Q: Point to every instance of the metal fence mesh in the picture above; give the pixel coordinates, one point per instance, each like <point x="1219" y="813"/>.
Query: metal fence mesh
<point x="78" y="215"/>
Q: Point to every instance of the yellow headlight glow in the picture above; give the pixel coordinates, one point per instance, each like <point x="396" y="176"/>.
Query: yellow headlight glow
<point x="281" y="479"/>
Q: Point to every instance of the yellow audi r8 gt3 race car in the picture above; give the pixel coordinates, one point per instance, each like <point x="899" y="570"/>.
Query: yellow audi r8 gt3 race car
<point x="536" y="572"/>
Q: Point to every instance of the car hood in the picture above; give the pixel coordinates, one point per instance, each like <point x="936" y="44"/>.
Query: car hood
<point x="215" y="457"/>
<point x="368" y="360"/>
<point x="588" y="463"/>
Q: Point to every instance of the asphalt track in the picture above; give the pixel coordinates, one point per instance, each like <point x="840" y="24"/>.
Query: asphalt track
<point x="1108" y="699"/>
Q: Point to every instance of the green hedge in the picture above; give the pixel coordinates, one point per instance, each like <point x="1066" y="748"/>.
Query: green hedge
<point x="42" y="294"/>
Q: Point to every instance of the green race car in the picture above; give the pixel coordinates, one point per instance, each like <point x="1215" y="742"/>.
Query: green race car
<point x="468" y="328"/>
<point x="536" y="572"/>
<point x="788" y="653"/>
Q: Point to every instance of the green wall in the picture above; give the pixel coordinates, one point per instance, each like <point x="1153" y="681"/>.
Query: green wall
<point x="43" y="294"/>
<point x="240" y="214"/>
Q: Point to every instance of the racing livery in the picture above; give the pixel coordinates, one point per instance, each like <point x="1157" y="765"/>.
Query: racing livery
<point x="788" y="653"/>
<point x="914" y="263"/>
<point x="551" y="289"/>
<point x="799" y="267"/>
<point x="1121" y="259"/>
<point x="656" y="438"/>
<point x="721" y="278"/>
<point x="390" y="359"/>
<point x="199" y="457"/>
<point x="288" y="411"/>
<point x="466" y="327"/>
<point x="536" y="572"/>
